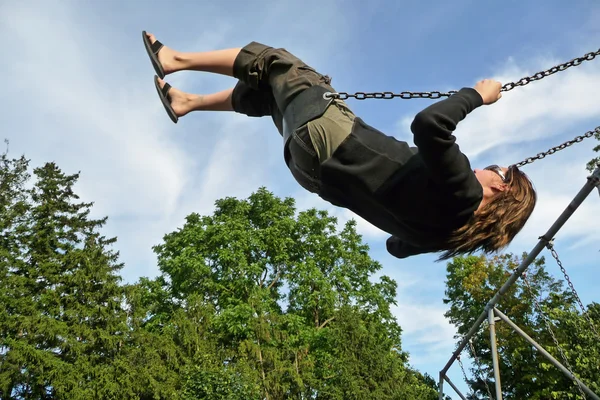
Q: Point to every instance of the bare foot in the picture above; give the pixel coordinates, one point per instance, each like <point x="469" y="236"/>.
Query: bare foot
<point x="167" y="57"/>
<point x="182" y="102"/>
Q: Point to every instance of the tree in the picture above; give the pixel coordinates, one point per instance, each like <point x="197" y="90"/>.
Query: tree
<point x="267" y="304"/>
<point x="62" y="327"/>
<point x="472" y="281"/>
<point x="253" y="302"/>
<point x="13" y="212"/>
<point x="151" y="359"/>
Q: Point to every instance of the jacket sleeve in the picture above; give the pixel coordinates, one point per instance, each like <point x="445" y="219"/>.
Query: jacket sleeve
<point x="401" y="249"/>
<point x="433" y="135"/>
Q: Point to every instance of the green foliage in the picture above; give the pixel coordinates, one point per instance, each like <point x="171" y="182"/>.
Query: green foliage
<point x="253" y="302"/>
<point x="155" y="362"/>
<point x="64" y="330"/>
<point x="209" y="379"/>
<point x="595" y="163"/>
<point x="525" y="373"/>
<point x="60" y="292"/>
<point x="286" y="297"/>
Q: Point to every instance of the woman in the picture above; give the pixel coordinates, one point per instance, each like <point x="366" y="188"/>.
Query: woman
<point x="428" y="198"/>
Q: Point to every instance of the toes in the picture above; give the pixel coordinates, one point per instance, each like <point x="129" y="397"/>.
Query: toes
<point x="151" y="37"/>
<point x="165" y="88"/>
<point x="162" y="84"/>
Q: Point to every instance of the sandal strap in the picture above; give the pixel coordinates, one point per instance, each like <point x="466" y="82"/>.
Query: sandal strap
<point x="156" y="46"/>
<point x="165" y="90"/>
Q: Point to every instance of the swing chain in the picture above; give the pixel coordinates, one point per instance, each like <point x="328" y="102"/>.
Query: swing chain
<point x="480" y="369"/>
<point x="436" y="94"/>
<point x="462" y="368"/>
<point x="390" y="95"/>
<point x="563" y="146"/>
<point x="554" y="338"/>
<point x="542" y="74"/>
<point x="550" y="247"/>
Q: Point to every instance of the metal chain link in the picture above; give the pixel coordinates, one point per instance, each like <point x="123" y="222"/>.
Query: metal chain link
<point x="542" y="74"/>
<point x="480" y="368"/>
<point x="550" y="247"/>
<point x="390" y="95"/>
<point x="436" y="94"/>
<point x="462" y="368"/>
<point x="553" y="150"/>
<point x="554" y="339"/>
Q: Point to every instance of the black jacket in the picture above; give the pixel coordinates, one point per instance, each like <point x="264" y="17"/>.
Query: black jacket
<point x="418" y="195"/>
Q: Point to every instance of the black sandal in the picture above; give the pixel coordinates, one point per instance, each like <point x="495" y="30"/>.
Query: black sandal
<point x="163" y="93"/>
<point x="152" y="49"/>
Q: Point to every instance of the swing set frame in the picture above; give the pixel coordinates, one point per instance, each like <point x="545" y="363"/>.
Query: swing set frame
<point x="490" y="311"/>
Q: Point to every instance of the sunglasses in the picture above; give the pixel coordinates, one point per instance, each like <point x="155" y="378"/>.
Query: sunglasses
<point x="498" y="170"/>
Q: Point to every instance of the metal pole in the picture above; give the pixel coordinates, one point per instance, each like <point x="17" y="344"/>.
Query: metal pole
<point x="455" y="388"/>
<point x="441" y="388"/>
<point x="591" y="183"/>
<point x="546" y="354"/>
<point x="495" y="362"/>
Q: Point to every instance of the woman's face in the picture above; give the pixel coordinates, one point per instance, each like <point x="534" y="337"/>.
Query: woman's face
<point x="493" y="179"/>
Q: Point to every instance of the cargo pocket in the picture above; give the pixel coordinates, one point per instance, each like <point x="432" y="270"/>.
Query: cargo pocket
<point x="319" y="78"/>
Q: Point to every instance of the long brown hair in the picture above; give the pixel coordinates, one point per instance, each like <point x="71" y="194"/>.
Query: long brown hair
<point x="498" y="222"/>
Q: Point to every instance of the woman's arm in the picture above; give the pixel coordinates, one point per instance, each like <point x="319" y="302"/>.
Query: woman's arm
<point x="434" y="126"/>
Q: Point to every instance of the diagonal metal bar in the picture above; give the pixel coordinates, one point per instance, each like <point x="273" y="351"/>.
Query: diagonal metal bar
<point x="592" y="182"/>
<point x="542" y="351"/>
<point x="455" y="388"/>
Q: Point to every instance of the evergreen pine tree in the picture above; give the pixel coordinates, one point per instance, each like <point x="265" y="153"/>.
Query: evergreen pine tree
<point x="62" y="319"/>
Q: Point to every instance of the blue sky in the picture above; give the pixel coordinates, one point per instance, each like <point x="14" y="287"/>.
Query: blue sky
<point x="78" y="90"/>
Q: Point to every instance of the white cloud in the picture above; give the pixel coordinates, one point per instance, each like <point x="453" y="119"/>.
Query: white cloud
<point x="91" y="121"/>
<point x="426" y="333"/>
<point x="538" y="112"/>
<point x="96" y="111"/>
